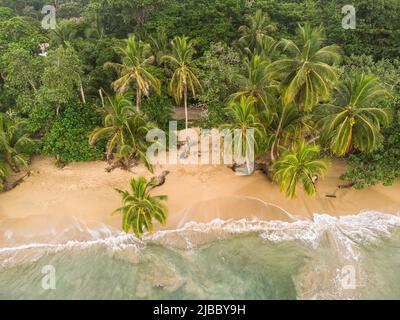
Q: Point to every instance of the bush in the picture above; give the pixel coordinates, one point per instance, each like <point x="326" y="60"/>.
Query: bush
<point x="68" y="136"/>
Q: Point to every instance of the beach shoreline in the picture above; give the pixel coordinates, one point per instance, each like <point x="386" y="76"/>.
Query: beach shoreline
<point x="201" y="193"/>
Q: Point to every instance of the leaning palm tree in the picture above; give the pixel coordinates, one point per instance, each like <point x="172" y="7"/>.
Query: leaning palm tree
<point x="118" y="110"/>
<point x="136" y="58"/>
<point x="256" y="83"/>
<point x="308" y="73"/>
<point x="354" y="118"/>
<point x="257" y="31"/>
<point x="3" y="173"/>
<point x="184" y="77"/>
<point x="244" y="117"/>
<point x="299" y="166"/>
<point x="139" y="208"/>
<point x="285" y="126"/>
<point x="124" y="129"/>
<point x="14" y="144"/>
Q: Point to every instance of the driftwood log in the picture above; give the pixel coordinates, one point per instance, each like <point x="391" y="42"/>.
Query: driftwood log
<point x="160" y="180"/>
<point x="258" y="166"/>
<point x="341" y="186"/>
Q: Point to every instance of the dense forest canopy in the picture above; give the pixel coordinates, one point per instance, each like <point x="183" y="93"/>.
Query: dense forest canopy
<point x="117" y="66"/>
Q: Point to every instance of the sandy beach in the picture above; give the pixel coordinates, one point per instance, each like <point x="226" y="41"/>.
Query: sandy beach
<point x="84" y="191"/>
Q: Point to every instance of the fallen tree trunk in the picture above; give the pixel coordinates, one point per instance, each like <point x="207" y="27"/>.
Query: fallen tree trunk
<point x="8" y="186"/>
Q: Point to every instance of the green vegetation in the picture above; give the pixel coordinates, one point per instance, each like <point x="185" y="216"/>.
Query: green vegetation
<point x="139" y="208"/>
<point x="299" y="166"/>
<point x="15" y="146"/>
<point x="113" y="70"/>
<point x="184" y="77"/>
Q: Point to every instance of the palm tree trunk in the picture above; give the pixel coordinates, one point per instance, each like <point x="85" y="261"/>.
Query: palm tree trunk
<point x="138" y="99"/>
<point x="278" y="132"/>
<point x="101" y="97"/>
<point x="186" y="108"/>
<point x="83" y="94"/>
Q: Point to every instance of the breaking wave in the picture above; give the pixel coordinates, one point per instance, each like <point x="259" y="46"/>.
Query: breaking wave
<point x="349" y="257"/>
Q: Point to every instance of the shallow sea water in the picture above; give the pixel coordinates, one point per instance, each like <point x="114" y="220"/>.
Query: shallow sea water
<point x="353" y="257"/>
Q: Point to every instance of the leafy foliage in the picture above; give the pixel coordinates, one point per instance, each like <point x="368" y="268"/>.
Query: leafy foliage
<point x="298" y="167"/>
<point x="354" y="118"/>
<point x="15" y="146"/>
<point x="67" y="139"/>
<point x="139" y="208"/>
<point x="382" y="165"/>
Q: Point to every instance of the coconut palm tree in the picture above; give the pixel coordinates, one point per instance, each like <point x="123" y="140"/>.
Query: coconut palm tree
<point x="354" y="118"/>
<point x="184" y="77"/>
<point x="257" y="31"/>
<point x="139" y="208"/>
<point x="256" y="83"/>
<point x="3" y="173"/>
<point x="67" y="31"/>
<point x="159" y="45"/>
<point x="14" y="144"/>
<point x="297" y="167"/>
<point x="285" y="126"/>
<point x="124" y="129"/>
<point x="244" y="117"/>
<point x="136" y="58"/>
<point x="308" y="73"/>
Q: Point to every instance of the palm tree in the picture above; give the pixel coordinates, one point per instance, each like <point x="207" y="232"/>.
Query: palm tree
<point x="14" y="144"/>
<point x="159" y="45"/>
<point x="354" y="118"/>
<point x="257" y="31"/>
<point x="136" y="58"/>
<point x="299" y="167"/>
<point x="307" y="74"/>
<point x="244" y="117"/>
<point x="67" y="31"/>
<point x="256" y="83"/>
<point x="184" y="77"/>
<point x="285" y="126"/>
<point x="124" y="129"/>
<point x="139" y="208"/>
<point x="3" y="173"/>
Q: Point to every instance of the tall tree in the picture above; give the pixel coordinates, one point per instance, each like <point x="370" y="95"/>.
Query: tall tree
<point x="307" y="74"/>
<point x="257" y="31"/>
<point x="354" y="118"/>
<point x="255" y="83"/>
<point x="244" y="117"/>
<point x="124" y="129"/>
<point x="285" y="126"/>
<point x="136" y="58"/>
<point x="184" y="77"/>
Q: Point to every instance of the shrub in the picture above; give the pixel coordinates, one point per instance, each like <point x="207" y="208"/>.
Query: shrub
<point x="68" y="136"/>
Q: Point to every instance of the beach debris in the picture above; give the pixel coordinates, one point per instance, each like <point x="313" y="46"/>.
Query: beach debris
<point x="340" y="186"/>
<point x="160" y="180"/>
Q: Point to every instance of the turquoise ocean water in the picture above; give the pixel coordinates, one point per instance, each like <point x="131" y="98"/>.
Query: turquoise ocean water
<point x="354" y="257"/>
